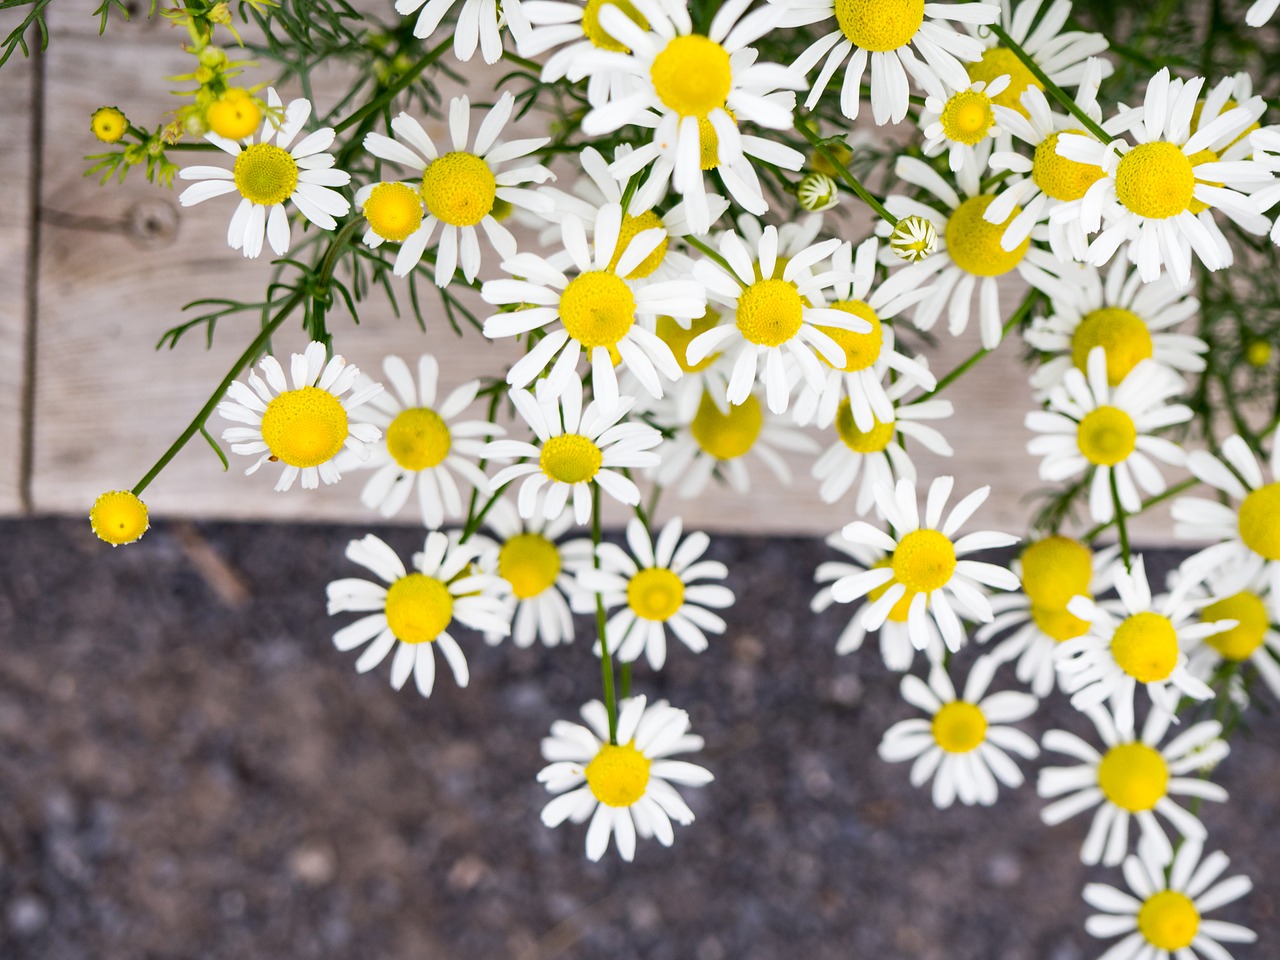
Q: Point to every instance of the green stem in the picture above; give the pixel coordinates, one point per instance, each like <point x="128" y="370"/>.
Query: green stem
<point x="403" y="81"/>
<point x="845" y="174"/>
<point x="626" y="680"/>
<point x="969" y="362"/>
<point x="606" y="655"/>
<point x="1121" y="527"/>
<point x="1092" y="533"/>
<point x="714" y="255"/>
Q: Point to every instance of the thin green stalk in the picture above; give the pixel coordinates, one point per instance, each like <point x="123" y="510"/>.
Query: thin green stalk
<point x="1121" y="527"/>
<point x="844" y="173"/>
<point x="403" y="81"/>
<point x="714" y="255"/>
<point x="606" y="655"/>
<point x="972" y="359"/>
<point x="1093" y="532"/>
<point x="626" y="680"/>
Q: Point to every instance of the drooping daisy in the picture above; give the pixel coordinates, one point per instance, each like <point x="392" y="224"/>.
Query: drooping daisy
<point x="304" y="428"/>
<point x="414" y="612"/>
<point x="963" y="745"/>
<point x="1129" y="319"/>
<point x="1137" y="639"/>
<point x="421" y="445"/>
<point x="461" y="187"/>
<point x="926" y="562"/>
<point x="623" y="785"/>
<point x="885" y="33"/>
<point x="575" y="449"/>
<point x="959" y="120"/>
<point x="479" y="23"/>
<point x="605" y="309"/>
<point x="1091" y="426"/>
<point x="657" y="589"/>
<point x="1134" y="778"/>
<point x="267" y="174"/>
<point x="1254" y="639"/>
<point x="1164" y="916"/>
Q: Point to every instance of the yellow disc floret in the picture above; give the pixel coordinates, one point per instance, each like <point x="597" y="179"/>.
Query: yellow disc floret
<point x="678" y="339"/>
<point x="692" y="76"/>
<point x="959" y="727"/>
<point x="394" y="211"/>
<point x="418" y="439"/>
<point x="118" y="517"/>
<point x="879" y="25"/>
<point x="974" y="244"/>
<point x="109" y="124"/>
<point x="305" y="427"/>
<point x="1145" y="646"/>
<point x="900" y="609"/>
<point x="997" y="62"/>
<point x="1122" y="335"/>
<point x="418" y="608"/>
<point x="619" y="775"/>
<point x="1106" y="436"/>
<point x="862" y="441"/>
<point x="601" y="37"/>
<point x="265" y="174"/>
<point x="1155" y="180"/>
<point x="655" y="594"/>
<point x="1260" y="521"/>
<point x="1056" y="569"/>
<point x="234" y="115"/>
<point x="530" y="563"/>
<point x="459" y="189"/>
<point x="770" y="312"/>
<point x="1059" y="623"/>
<point x="570" y="458"/>
<point x="924" y="561"/>
<point x="1059" y="177"/>
<point x="861" y="350"/>
<point x="1169" y="920"/>
<point x="597" y="308"/>
<point x="1242" y="640"/>
<point x="967" y="117"/>
<point x="1133" y="776"/>
<point x="631" y="228"/>
<point x="727" y="435"/>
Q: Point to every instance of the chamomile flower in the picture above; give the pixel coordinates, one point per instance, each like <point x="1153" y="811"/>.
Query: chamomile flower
<point x="304" y="428"/>
<point x="1090" y="426"/>
<point x="927" y="564"/>
<point x="267" y="174"/>
<point x="621" y="784"/>
<point x="1131" y="320"/>
<point x="423" y="443"/>
<point x="1163" y="917"/>
<point x="1254" y="639"/>
<point x="1260" y="12"/>
<point x="479" y="23"/>
<point x="1137" y="639"/>
<point x="885" y="33"/>
<point x="574" y="27"/>
<point x="605" y="310"/>
<point x="656" y="587"/>
<point x="959" y="120"/>
<point x="575" y="450"/>
<point x="1133" y="778"/>
<point x="414" y="611"/>
<point x="710" y="375"/>
<point x="460" y="188"/>
<point x="963" y="744"/>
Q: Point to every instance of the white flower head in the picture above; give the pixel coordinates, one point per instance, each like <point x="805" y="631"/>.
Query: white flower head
<point x="958" y="120"/>
<point x="1236" y="592"/>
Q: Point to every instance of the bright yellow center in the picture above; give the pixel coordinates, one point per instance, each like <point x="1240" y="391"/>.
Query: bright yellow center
<point x="1155" y="180"/>
<point x="727" y="436"/>
<point x="108" y="124"/>
<point x="265" y="174"/>
<point x="234" y="115"/>
<point x="597" y="308"/>
<point x="459" y="189"/>
<point x="304" y="427"/>
<point x="770" y="312"/>
<point x="959" y="727"/>
<point x="618" y="775"/>
<point x="860" y="441"/>
<point x="1133" y="776"/>
<point x="1258" y="353"/>
<point x="900" y="609"/>
<point x="1056" y="569"/>
<point x="530" y="563"/>
<point x="1121" y="334"/>
<point x="631" y="227"/>
<point x="418" y="439"/>
<point x="1240" y="641"/>
<point x="1145" y="646"/>
<point x="967" y="117"/>
<point x="678" y="339"/>
<point x="974" y="244"/>
<point x="1058" y="622"/>
<point x="1106" y="436"/>
<point x="691" y="75"/>
<point x="861" y="350"/>
<point x="118" y="517"/>
<point x="394" y="211"/>
<point x="1059" y="177"/>
<point x="924" y="561"/>
<point x="418" y="608"/>
<point x="1169" y="920"/>
<point x="998" y="62"/>
<point x="879" y="25"/>
<point x="570" y="458"/>
<point x="597" y="34"/>
<point x="655" y="594"/>
<point x="1260" y="521"/>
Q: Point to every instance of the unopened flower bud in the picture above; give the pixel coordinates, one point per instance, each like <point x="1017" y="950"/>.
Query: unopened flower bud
<point x="817" y="192"/>
<point x="108" y="124"/>
<point x="914" y="239"/>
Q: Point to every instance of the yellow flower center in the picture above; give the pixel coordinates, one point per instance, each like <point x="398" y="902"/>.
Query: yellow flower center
<point x="727" y="436"/>
<point x="1059" y="177"/>
<point x="265" y="174"/>
<point x="655" y="594"/>
<point x="1121" y="334"/>
<point x="879" y="25"/>
<point x="118" y="517"/>
<point x="861" y="350"/>
<point x="394" y="211"/>
<point x="860" y="441"/>
<point x="234" y="115"/>
<point x="418" y="439"/>
<point x="924" y="561"/>
<point x="530" y="563"/>
<point x="974" y="244"/>
<point x="691" y="75"/>
<point x="1260" y="521"/>
<point x="1056" y="569"/>
<point x="959" y="727"/>
<point x="570" y="458"/>
<point x="631" y="228"/>
<point x="770" y="312"/>
<point x="678" y="339"/>
<point x="304" y="427"/>
<point x="998" y="62"/>
<point x="597" y="308"/>
<point x="1106" y="436"/>
<point x="1133" y="776"/>
<point x="597" y="34"/>
<point x="1155" y="180"/>
<point x="967" y="117"/>
<point x="1169" y="920"/>
<point x="1145" y="646"/>
<point x="618" y="775"/>
<point x="459" y="189"/>
<point x="1058" y="622"/>
<point x="1241" y="640"/>
<point x="108" y="124"/>
<point x="418" y="608"/>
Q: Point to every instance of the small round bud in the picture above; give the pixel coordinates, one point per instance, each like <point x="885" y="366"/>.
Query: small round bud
<point x="212" y="58"/>
<point x="234" y="115"/>
<point x="118" y="517"/>
<point x="108" y="124"/>
<point x="914" y="239"/>
<point x="817" y="192"/>
<point x="1257" y="353"/>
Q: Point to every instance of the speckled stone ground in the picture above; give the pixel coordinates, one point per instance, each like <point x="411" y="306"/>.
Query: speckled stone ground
<point x="188" y="769"/>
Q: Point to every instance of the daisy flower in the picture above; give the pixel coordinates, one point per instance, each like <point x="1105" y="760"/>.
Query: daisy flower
<point x="1130" y="320"/>
<point x="1253" y="639"/>
<point x="963" y="745"/>
<point x="926" y="562"/>
<point x="575" y="28"/>
<point x="1091" y="426"/>
<point x="267" y="174"/>
<point x="460" y="188"/>
<point x="622" y="785"/>
<point x="710" y="375"/>
<point x="959" y="120"/>
<point x="605" y="309"/>
<point x="479" y="23"/>
<point x="304" y="428"/>
<point x="423" y="444"/>
<point x="1163" y="917"/>
<point x="414" y="611"/>
<point x="657" y="590"/>
<point x="1260" y="12"/>
<point x="575" y="450"/>
<point x="1137" y="639"/>
<point x="885" y="33"/>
